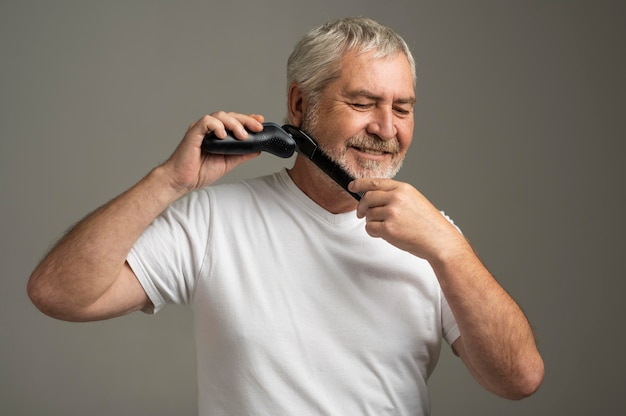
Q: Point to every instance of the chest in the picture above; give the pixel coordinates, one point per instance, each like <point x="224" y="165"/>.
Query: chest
<point x="331" y="293"/>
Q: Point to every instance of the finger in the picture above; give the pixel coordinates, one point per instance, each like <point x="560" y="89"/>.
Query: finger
<point x="370" y="200"/>
<point x="366" y="186"/>
<point x="230" y="122"/>
<point x="221" y="122"/>
<point x="375" y="229"/>
<point x="258" y="117"/>
<point x="376" y="214"/>
<point x="377" y="221"/>
<point x="252" y="122"/>
<point x="208" y="124"/>
<point x="249" y="122"/>
<point x="371" y="184"/>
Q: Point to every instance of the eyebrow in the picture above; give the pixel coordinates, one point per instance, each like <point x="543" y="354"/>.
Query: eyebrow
<point x="363" y="93"/>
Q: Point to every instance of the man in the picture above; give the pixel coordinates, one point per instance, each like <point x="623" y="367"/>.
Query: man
<point x="306" y="301"/>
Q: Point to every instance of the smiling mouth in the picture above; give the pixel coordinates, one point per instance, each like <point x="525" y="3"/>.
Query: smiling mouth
<point x="371" y="151"/>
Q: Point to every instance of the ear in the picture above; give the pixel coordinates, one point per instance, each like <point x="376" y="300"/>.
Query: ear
<point x="296" y="105"/>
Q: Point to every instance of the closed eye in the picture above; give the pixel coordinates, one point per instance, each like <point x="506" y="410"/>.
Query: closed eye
<point x="402" y="111"/>
<point x="361" y="106"/>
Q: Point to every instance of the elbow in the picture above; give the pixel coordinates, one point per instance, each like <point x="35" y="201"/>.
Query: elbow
<point x="41" y="295"/>
<point x="533" y="380"/>
<point x="38" y="295"/>
<point x="518" y="379"/>
<point x="527" y="382"/>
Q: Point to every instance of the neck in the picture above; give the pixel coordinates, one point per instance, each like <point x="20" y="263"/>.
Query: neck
<point x="320" y="187"/>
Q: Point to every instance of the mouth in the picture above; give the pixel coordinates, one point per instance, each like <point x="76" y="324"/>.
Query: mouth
<point x="369" y="152"/>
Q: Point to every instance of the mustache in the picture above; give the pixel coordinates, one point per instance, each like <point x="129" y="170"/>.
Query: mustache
<point x="371" y="142"/>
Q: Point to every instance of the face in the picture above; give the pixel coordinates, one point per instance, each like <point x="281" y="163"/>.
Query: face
<point x="364" y="118"/>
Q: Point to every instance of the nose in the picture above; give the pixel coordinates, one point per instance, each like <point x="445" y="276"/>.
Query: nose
<point x="382" y="124"/>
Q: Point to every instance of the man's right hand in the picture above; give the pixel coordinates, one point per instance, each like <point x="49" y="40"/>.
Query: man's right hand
<point x="189" y="168"/>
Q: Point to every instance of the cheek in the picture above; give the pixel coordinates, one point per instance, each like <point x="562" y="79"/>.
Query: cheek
<point x="335" y="135"/>
<point x="405" y="136"/>
<point x="327" y="138"/>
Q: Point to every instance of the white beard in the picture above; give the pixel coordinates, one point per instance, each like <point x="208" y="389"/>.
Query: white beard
<point x="365" y="168"/>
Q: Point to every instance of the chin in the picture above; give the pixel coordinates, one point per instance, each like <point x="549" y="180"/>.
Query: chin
<point x="371" y="169"/>
<point x="359" y="167"/>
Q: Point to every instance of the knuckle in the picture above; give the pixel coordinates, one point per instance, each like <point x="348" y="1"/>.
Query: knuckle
<point x="372" y="229"/>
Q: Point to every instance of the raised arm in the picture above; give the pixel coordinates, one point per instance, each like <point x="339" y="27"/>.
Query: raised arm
<point x="496" y="344"/>
<point x="85" y="276"/>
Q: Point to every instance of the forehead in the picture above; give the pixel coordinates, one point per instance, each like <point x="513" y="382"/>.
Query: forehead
<point x="387" y="76"/>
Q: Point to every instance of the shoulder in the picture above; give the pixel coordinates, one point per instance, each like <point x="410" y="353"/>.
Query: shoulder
<point x="253" y="187"/>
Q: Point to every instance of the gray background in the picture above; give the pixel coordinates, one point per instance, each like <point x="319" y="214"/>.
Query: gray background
<point x="518" y="137"/>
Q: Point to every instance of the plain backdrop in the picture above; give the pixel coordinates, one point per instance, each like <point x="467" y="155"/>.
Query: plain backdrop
<point x="519" y="137"/>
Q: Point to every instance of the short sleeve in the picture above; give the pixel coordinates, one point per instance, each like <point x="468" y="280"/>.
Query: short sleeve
<point x="450" y="328"/>
<point x="169" y="255"/>
<point x="448" y="323"/>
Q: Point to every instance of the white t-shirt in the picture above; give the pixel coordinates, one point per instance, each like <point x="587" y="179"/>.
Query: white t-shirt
<point x="297" y="311"/>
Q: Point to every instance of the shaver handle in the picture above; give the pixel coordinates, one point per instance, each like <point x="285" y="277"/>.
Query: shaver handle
<point x="272" y="139"/>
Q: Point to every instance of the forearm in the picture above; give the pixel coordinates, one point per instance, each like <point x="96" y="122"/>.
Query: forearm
<point x="85" y="277"/>
<point x="83" y="265"/>
<point x="498" y="345"/>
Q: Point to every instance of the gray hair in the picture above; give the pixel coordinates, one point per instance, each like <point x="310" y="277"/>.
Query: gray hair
<point x="315" y="60"/>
